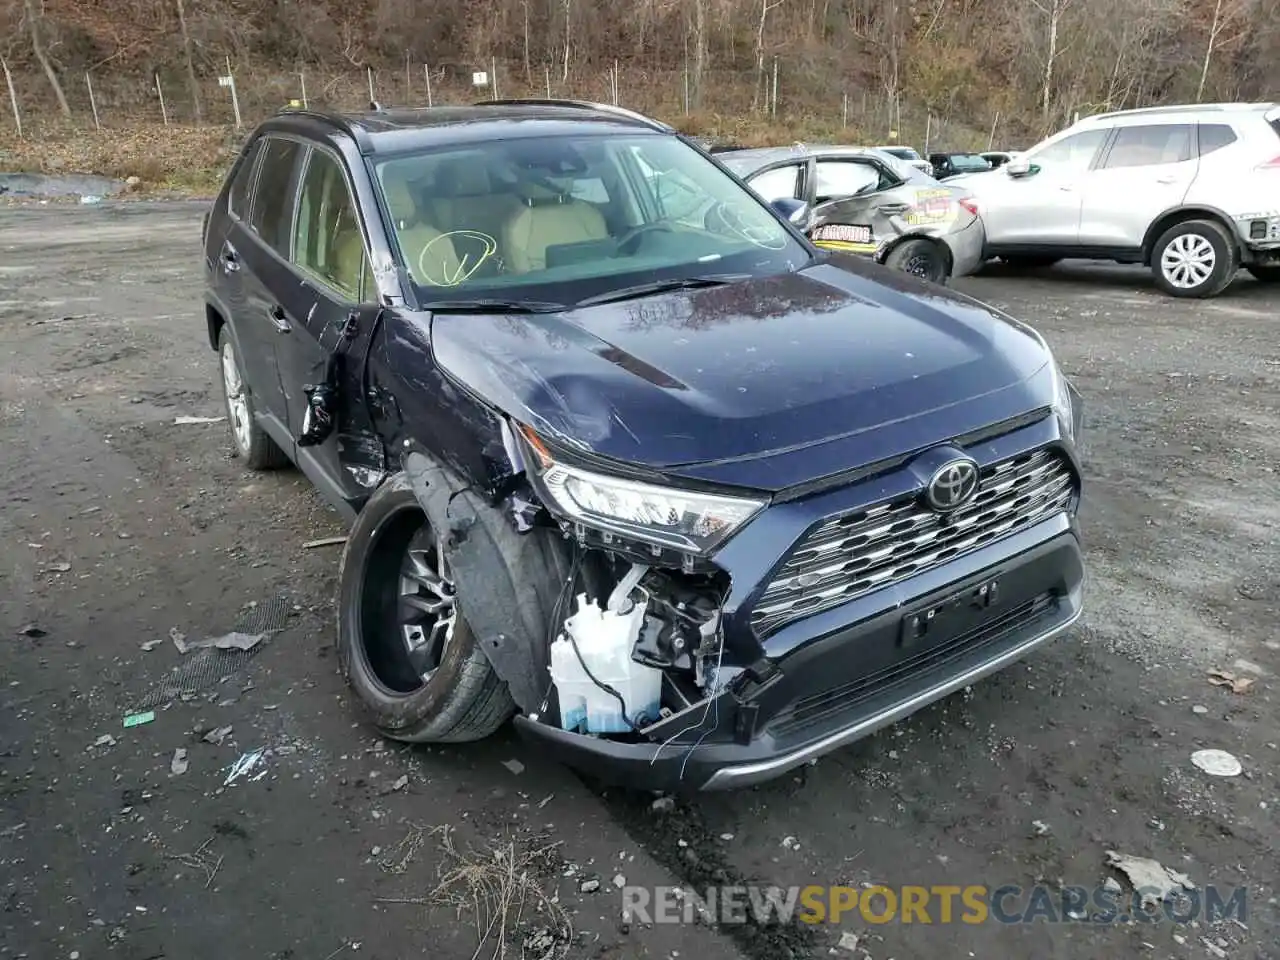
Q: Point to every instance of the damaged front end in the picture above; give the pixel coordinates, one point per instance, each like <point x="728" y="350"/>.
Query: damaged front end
<point x="594" y="599"/>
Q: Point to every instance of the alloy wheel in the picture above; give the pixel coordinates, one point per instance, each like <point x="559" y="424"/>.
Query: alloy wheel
<point x="427" y="607"/>
<point x="237" y="404"/>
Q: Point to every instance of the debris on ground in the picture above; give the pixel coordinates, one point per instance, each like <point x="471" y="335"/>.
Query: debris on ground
<point x="149" y="645"/>
<point x="848" y="941"/>
<point x="1152" y="880"/>
<point x="324" y="542"/>
<point x="399" y="859"/>
<point x="179" y="639"/>
<point x="58" y="567"/>
<point x="1217" y="763"/>
<point x="790" y="843"/>
<point x="619" y="881"/>
<point x="178" y="765"/>
<point x="1112" y="885"/>
<point x="245" y="765"/>
<point x="1213" y="948"/>
<point x="399" y="784"/>
<point x="106" y="740"/>
<point x="515" y="766"/>
<point x="228" y="641"/>
<point x="663" y="805"/>
<point x="1040" y="827"/>
<point x="499" y="887"/>
<point x="1233" y="681"/>
<point x="1199" y="710"/>
<point x="589" y="886"/>
<point x="138" y="719"/>
<point x="200" y="859"/>
<point x="217" y="735"/>
<point x="34" y="631"/>
<point x="180" y="421"/>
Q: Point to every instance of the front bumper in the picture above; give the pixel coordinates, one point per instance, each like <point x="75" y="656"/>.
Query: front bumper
<point x="846" y="683"/>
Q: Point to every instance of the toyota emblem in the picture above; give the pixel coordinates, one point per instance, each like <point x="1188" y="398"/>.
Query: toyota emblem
<point x="952" y="485"/>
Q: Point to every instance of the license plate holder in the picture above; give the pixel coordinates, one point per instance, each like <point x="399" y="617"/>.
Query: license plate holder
<point x="940" y="619"/>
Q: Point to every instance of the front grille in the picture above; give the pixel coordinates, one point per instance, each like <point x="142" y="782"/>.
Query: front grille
<point x="851" y="555"/>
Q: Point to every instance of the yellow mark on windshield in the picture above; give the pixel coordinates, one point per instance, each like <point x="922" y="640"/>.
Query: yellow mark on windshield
<point x="466" y="265"/>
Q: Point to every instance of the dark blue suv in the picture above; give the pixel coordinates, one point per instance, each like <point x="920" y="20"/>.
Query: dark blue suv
<point x="625" y="456"/>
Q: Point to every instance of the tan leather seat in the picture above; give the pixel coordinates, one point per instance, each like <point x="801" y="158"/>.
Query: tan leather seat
<point x="429" y="254"/>
<point x="464" y="197"/>
<point x="545" y="220"/>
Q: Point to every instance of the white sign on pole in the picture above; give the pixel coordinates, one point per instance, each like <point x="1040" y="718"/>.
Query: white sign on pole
<point x="480" y="78"/>
<point x="225" y="81"/>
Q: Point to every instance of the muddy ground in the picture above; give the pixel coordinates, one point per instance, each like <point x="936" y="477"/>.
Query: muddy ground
<point x="119" y="527"/>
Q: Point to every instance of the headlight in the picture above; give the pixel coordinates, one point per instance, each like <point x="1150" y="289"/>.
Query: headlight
<point x="1064" y="404"/>
<point x="665" y="516"/>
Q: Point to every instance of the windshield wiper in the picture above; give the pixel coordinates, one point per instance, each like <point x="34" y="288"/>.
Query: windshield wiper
<point x="492" y="305"/>
<point x="661" y="286"/>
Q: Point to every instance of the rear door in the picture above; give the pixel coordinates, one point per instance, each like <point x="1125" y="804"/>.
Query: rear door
<point x="849" y="203"/>
<point x="259" y="251"/>
<point x="1039" y="209"/>
<point x="330" y="287"/>
<point x="1145" y="171"/>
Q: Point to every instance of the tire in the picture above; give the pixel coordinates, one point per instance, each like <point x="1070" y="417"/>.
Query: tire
<point x="248" y="440"/>
<point x="1029" y="262"/>
<point x="920" y="258"/>
<point x="1195" y="258"/>
<point x="461" y="699"/>
<point x="1265" y="272"/>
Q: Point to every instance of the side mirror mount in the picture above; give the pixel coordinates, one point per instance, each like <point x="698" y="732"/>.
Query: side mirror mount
<point x="1021" y="167"/>
<point x="796" y="211"/>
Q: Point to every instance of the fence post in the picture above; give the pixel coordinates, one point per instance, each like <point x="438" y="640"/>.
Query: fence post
<point x="493" y="76"/>
<point x="13" y="96"/>
<point x="302" y="75"/>
<point x="773" y="109"/>
<point x="372" y="98"/>
<point x="164" y="111"/>
<point x="844" y="110"/>
<point x="408" y="82"/>
<point x="426" y="72"/>
<point x="992" y="139"/>
<point x="547" y="69"/>
<point x="93" y="103"/>
<point x="928" y="129"/>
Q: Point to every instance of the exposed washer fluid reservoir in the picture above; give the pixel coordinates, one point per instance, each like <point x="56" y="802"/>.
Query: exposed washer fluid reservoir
<point x="604" y="638"/>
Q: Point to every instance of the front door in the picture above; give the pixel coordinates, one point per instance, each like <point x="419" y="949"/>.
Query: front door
<point x="326" y="301"/>
<point x="1040" y="208"/>
<point x="1146" y="171"/>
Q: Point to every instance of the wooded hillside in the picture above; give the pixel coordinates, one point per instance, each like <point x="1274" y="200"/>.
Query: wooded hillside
<point x="957" y="66"/>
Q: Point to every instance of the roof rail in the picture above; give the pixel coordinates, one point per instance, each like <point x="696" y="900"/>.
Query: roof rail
<point x="581" y="105"/>
<point x="1176" y="108"/>
<point x="338" y="120"/>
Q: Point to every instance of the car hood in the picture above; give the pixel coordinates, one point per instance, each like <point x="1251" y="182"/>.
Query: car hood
<point x="761" y="383"/>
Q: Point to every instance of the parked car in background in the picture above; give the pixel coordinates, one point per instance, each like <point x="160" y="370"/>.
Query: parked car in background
<point x="909" y="155"/>
<point x="869" y="202"/>
<point x="694" y="503"/>
<point x="1191" y="191"/>
<point x="948" y="165"/>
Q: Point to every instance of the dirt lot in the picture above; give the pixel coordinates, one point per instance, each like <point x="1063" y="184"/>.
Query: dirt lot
<point x="119" y="526"/>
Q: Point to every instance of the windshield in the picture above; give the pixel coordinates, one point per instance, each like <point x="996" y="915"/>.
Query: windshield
<point x="565" y="218"/>
<point x="962" y="161"/>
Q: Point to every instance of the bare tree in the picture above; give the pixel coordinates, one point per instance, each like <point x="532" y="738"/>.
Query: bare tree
<point x="1225" y="13"/>
<point x="42" y="56"/>
<point x="192" y="82"/>
<point x="1053" y="11"/>
<point x="761" y="81"/>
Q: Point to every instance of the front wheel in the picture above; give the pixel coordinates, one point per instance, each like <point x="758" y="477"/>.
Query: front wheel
<point x="1196" y="258"/>
<point x="403" y="645"/>
<point x="920" y="258"/>
<point x="1265" y="272"/>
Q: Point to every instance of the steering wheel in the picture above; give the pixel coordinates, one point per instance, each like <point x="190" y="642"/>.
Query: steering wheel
<point x="638" y="231"/>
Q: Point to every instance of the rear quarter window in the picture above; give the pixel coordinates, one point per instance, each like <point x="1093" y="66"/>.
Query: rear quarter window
<point x="1215" y="136"/>
<point x="272" y="217"/>
<point x="242" y="181"/>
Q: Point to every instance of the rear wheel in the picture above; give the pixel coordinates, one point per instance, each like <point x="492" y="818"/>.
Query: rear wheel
<point x="250" y="442"/>
<point x="1265" y="272"/>
<point x="404" y="647"/>
<point x="1029" y="262"/>
<point x="1196" y="258"/>
<point x="920" y="258"/>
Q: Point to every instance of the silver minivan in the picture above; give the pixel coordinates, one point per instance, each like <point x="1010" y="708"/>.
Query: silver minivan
<point x="1193" y="192"/>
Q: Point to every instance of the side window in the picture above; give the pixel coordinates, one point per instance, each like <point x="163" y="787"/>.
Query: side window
<point x="839" y="179"/>
<point x="777" y="183"/>
<point x="272" y="216"/>
<point x="1151" y="145"/>
<point x="238" y="199"/>
<point x="1071" y="154"/>
<point x="590" y="189"/>
<point x="328" y="243"/>
<point x="1215" y="136"/>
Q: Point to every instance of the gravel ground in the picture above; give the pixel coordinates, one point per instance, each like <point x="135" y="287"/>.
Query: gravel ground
<point x="121" y="527"/>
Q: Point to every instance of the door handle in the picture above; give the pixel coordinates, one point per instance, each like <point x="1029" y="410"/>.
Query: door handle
<point x="230" y="260"/>
<point x="1165" y="179"/>
<point x="892" y="209"/>
<point x="278" y="319"/>
<point x="1065" y="189"/>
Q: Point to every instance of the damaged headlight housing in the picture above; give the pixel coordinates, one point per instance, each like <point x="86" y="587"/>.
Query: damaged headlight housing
<point x="1065" y="405"/>
<point x="685" y="520"/>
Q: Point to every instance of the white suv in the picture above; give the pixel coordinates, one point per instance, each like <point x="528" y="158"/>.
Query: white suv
<point x="1191" y="191"/>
